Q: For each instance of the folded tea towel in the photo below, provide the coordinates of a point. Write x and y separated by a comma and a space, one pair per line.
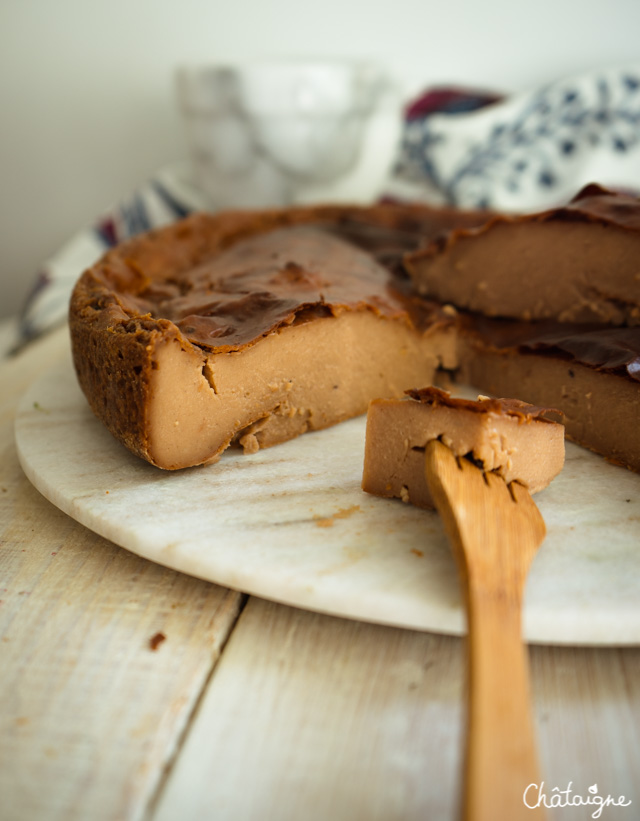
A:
523, 152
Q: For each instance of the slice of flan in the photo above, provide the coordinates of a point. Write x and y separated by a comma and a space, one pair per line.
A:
520, 442
578, 263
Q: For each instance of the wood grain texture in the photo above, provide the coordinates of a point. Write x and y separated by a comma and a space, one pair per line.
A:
315, 717
587, 709
90, 713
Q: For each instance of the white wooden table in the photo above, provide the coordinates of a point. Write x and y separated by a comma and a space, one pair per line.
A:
247, 709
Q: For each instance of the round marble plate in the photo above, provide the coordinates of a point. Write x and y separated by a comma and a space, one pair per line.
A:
292, 524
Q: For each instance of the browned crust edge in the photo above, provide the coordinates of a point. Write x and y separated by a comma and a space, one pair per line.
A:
592, 204
114, 375
524, 411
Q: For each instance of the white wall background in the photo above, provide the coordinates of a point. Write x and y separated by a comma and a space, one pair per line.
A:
86, 96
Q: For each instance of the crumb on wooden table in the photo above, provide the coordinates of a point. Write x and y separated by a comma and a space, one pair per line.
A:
156, 641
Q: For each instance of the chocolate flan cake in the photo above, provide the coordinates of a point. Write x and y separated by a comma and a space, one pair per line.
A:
252, 328
518, 441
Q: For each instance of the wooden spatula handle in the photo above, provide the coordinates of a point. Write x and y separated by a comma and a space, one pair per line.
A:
494, 531
501, 756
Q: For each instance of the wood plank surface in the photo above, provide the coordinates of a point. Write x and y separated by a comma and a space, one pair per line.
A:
587, 704
314, 717
91, 714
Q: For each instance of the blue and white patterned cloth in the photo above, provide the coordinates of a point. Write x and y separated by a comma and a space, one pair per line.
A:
470, 149
527, 152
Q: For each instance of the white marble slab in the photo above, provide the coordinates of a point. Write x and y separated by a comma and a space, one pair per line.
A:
292, 524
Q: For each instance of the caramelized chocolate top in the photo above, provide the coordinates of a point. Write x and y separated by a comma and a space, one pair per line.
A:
598, 204
616, 350
410, 227
274, 279
591, 204
509, 407
607, 349
228, 279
